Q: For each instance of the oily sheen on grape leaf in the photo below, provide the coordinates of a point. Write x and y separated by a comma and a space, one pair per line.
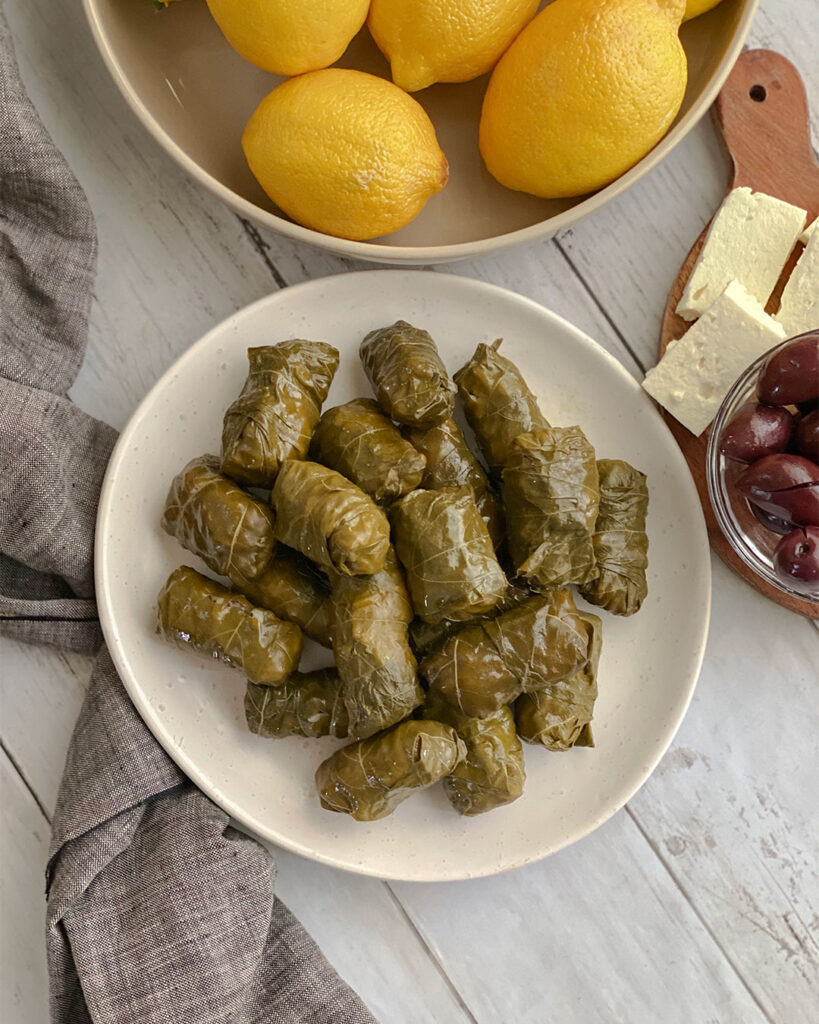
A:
447, 553
372, 653
488, 664
498, 403
426, 637
295, 591
559, 716
620, 540
408, 375
307, 704
551, 493
450, 463
277, 410
327, 518
363, 444
213, 518
370, 778
492, 772
200, 614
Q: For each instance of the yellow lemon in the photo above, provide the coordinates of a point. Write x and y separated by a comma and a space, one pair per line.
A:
345, 153
582, 94
694, 8
430, 41
289, 37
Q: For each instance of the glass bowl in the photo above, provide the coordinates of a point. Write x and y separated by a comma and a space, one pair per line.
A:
747, 536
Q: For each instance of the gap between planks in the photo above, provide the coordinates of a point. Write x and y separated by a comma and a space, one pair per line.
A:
32, 792
708, 930
436, 963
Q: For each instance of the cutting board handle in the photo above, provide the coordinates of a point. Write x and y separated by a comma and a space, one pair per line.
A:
762, 112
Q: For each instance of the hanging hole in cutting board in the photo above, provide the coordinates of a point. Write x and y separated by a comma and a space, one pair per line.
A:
758, 93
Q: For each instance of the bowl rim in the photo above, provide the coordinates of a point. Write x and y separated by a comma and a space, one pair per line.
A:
742, 390
414, 254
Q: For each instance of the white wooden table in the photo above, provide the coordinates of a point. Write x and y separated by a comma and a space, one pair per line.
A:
696, 904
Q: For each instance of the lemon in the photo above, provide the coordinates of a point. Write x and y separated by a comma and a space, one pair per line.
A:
694, 8
345, 153
445, 40
289, 37
582, 94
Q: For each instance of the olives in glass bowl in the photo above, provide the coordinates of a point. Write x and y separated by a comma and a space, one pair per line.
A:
762, 466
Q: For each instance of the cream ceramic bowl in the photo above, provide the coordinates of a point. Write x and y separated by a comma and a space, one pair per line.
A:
194, 94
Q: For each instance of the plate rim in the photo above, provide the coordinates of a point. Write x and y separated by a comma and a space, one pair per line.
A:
152, 719
418, 254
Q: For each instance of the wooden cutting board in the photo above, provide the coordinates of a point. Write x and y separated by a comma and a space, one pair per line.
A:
762, 115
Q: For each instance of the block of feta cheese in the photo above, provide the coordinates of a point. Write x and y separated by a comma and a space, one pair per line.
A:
750, 239
697, 371
799, 310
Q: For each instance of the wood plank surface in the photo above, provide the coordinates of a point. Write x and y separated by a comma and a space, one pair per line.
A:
698, 903
23, 850
594, 934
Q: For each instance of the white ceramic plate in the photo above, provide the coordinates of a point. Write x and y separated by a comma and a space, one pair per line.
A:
194, 707
194, 94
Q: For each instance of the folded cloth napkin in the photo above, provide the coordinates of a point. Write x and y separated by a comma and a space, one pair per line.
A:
158, 910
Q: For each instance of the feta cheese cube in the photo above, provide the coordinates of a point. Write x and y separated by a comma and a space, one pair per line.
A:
799, 310
804, 238
750, 239
698, 370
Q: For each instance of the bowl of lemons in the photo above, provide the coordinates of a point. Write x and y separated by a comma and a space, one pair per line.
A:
418, 131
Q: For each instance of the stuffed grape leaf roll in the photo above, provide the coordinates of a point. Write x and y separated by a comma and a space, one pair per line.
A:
196, 612
372, 653
327, 518
491, 773
363, 444
213, 518
559, 717
369, 779
450, 463
307, 704
551, 494
408, 375
497, 402
447, 553
489, 664
425, 637
279, 406
292, 588
620, 540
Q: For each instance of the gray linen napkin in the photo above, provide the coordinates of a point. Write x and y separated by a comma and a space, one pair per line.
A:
158, 911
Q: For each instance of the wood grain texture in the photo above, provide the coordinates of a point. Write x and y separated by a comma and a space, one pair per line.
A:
762, 114
23, 852
731, 810
695, 935
594, 934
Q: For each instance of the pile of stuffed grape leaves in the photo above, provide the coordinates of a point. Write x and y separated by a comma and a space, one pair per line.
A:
438, 577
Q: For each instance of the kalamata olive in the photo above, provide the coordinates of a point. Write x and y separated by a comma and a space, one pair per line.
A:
773, 523
796, 559
791, 374
787, 486
756, 430
807, 436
